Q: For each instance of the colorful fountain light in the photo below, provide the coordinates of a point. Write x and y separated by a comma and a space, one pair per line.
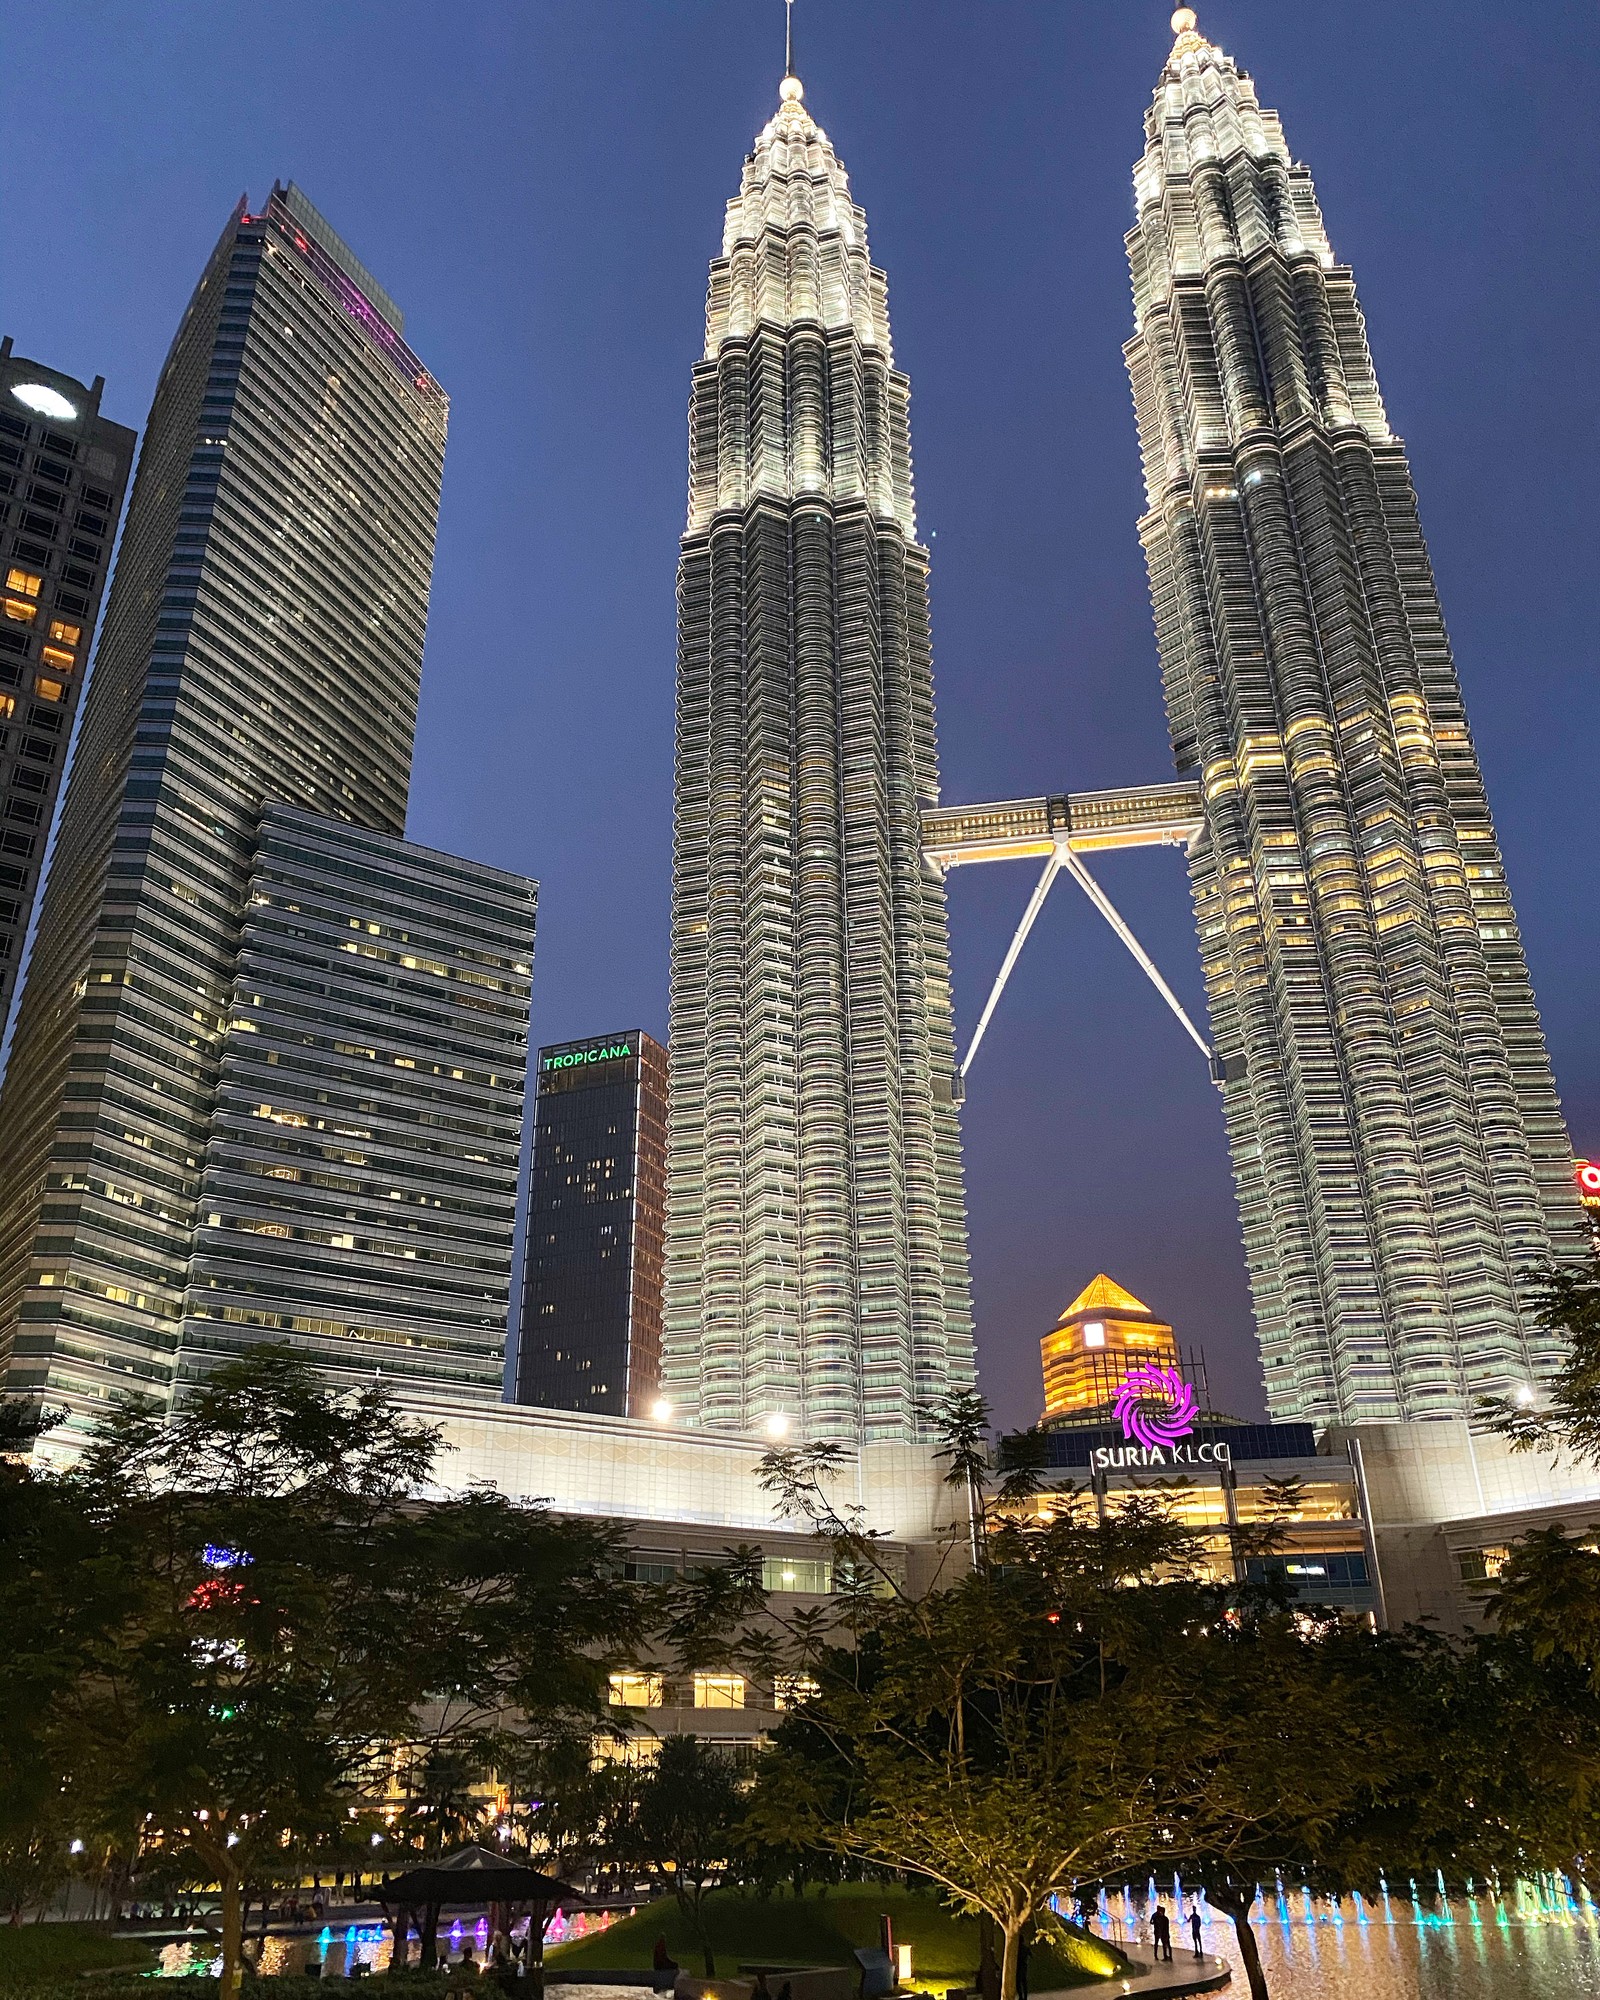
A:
1154, 1427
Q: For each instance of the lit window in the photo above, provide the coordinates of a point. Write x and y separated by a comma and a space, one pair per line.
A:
24, 582
719, 1691
20, 611
797, 1573
8, 706
67, 635
790, 1690
638, 1690
48, 690
57, 657
1094, 1334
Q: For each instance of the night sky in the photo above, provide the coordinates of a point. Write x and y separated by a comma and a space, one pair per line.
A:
541, 184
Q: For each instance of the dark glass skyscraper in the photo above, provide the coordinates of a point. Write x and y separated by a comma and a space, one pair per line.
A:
817, 1273
263, 641
63, 472
591, 1306
1397, 1143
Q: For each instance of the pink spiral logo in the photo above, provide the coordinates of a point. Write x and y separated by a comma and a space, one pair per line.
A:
1154, 1427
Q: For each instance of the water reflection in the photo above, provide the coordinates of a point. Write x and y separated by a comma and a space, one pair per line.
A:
1541, 1940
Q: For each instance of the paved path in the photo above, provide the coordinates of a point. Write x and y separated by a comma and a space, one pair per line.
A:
1186, 1974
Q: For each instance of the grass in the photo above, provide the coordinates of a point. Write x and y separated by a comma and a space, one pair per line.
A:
61, 1951
823, 1928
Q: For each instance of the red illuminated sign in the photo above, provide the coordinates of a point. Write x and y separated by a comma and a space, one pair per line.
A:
1588, 1178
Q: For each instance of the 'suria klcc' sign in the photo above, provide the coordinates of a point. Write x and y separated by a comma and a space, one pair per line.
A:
1153, 1457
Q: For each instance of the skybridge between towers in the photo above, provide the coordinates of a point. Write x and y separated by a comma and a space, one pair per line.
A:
1061, 829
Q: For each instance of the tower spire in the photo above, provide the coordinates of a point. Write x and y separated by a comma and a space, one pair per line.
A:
788, 37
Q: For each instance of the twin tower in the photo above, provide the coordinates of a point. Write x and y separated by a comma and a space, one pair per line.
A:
1397, 1144
266, 1073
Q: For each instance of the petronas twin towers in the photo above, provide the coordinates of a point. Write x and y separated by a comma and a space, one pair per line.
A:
1396, 1139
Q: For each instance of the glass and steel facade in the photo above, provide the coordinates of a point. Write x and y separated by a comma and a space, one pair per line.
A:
817, 1271
63, 472
591, 1303
262, 641
360, 1182
1397, 1144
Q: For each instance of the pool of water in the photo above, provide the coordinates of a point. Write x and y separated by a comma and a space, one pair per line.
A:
1540, 1945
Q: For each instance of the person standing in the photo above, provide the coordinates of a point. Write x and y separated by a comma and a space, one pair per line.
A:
1194, 1928
1161, 1931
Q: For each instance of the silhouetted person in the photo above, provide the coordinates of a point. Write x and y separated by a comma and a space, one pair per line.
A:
1194, 1929
1161, 1931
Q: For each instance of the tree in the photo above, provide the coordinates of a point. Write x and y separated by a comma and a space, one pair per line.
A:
687, 1819
280, 1614
1566, 1302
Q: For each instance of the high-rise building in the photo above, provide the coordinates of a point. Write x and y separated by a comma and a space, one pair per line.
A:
591, 1302
1397, 1143
63, 472
359, 1191
262, 641
1087, 1354
817, 1274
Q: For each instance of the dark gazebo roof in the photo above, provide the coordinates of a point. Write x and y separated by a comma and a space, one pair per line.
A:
475, 1875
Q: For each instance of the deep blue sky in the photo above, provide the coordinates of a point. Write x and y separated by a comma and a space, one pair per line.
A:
541, 182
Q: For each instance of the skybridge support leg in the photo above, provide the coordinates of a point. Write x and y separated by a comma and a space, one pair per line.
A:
1103, 903
1035, 904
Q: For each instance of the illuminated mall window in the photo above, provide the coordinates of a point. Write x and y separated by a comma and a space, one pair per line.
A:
636, 1690
790, 1690
65, 634
57, 657
48, 690
1481, 1565
719, 1691
20, 611
24, 582
797, 1573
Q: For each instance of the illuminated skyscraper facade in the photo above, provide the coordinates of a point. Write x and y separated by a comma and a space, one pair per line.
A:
1397, 1144
816, 1241
262, 641
63, 471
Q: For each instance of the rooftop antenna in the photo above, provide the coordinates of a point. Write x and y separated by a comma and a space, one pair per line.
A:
788, 37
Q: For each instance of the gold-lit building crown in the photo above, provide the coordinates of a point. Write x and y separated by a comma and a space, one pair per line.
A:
1103, 1333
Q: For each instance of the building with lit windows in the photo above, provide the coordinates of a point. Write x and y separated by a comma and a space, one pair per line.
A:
817, 1271
591, 1302
63, 472
359, 1190
1087, 1353
1397, 1144
262, 642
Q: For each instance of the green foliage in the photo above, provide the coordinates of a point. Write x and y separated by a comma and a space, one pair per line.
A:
685, 1826
824, 1926
62, 1951
1566, 1302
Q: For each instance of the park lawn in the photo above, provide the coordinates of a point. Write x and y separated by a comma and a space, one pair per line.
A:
46, 1951
823, 1928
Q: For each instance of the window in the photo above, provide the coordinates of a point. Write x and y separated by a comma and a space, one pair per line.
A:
790, 1690
797, 1573
24, 582
48, 690
59, 658
21, 610
8, 706
719, 1691
639, 1690
65, 634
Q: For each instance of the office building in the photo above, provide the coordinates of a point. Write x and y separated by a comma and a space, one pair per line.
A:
262, 642
359, 1190
1397, 1144
591, 1302
1088, 1352
63, 472
817, 1272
